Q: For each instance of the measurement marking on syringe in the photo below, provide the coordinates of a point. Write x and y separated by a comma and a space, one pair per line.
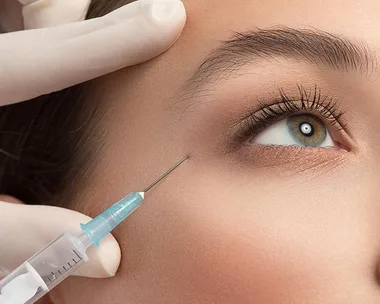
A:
64, 269
52, 278
80, 259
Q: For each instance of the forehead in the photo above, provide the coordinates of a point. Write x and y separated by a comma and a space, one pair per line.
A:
212, 21
347, 17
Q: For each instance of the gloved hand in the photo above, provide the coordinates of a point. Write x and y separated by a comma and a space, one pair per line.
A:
25, 229
39, 61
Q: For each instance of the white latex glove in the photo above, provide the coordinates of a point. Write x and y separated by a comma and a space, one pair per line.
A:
40, 61
25, 229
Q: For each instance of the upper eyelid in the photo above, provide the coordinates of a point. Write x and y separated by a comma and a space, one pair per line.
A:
307, 100
315, 110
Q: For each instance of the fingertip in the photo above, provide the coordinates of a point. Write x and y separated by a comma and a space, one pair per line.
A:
168, 19
172, 11
110, 256
104, 261
171, 15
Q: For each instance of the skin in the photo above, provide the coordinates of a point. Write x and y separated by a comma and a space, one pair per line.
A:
257, 225
12, 19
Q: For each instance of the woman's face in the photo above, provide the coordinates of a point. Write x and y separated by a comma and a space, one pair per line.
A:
279, 201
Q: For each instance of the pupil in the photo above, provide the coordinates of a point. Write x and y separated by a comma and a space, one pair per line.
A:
306, 129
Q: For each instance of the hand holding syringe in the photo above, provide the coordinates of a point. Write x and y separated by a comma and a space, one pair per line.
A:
63, 256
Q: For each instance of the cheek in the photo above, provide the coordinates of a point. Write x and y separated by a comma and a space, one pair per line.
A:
264, 254
229, 253
217, 241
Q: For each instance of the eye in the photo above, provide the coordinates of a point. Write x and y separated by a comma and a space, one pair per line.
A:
296, 130
307, 120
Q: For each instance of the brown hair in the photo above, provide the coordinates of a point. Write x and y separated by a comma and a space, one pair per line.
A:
42, 141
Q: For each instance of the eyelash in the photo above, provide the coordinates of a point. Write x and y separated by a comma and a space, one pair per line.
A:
308, 102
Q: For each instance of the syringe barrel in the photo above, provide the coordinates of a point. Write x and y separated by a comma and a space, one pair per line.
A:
42, 272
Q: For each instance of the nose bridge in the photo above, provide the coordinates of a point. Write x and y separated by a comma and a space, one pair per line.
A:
361, 181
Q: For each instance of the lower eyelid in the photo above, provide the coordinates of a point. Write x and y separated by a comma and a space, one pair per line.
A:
288, 160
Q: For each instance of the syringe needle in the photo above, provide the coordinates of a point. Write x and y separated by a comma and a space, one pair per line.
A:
165, 175
109, 219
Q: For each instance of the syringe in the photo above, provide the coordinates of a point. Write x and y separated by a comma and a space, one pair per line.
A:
63, 256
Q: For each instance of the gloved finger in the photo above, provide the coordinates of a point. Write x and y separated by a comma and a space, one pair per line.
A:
41, 61
47, 13
25, 229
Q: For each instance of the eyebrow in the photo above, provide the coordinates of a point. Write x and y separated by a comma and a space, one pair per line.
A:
313, 46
